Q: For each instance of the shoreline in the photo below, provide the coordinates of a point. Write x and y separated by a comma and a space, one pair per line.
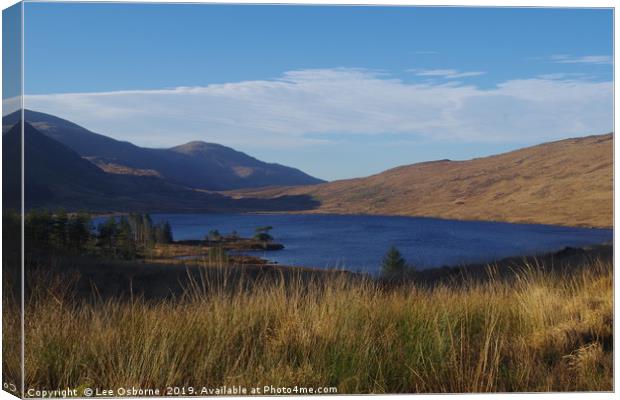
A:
166, 278
249, 260
101, 214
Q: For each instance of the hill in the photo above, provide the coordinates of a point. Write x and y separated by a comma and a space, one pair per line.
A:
246, 171
48, 165
568, 182
197, 165
57, 176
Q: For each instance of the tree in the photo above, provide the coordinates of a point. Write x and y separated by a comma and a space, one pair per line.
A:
163, 232
214, 236
12, 244
168, 232
38, 229
132, 236
393, 265
148, 235
142, 230
58, 235
137, 226
263, 229
262, 234
124, 240
107, 232
78, 232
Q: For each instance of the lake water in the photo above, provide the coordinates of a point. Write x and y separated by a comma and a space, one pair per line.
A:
359, 242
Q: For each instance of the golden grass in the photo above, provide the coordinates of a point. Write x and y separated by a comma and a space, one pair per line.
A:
536, 332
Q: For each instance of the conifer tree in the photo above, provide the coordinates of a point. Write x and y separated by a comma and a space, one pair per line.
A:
167, 232
124, 240
107, 232
38, 229
78, 232
393, 265
58, 234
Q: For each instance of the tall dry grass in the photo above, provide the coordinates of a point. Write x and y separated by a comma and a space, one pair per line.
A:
537, 332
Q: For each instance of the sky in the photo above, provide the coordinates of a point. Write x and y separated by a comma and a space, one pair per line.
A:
338, 92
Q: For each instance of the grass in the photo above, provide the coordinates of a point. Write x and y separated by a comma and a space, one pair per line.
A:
537, 331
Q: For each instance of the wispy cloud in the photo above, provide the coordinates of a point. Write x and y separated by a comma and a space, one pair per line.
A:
564, 75
291, 110
446, 73
592, 59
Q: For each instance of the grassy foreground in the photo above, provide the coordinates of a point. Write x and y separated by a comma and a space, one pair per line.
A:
538, 331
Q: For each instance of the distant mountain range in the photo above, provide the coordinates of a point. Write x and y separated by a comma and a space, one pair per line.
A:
197, 165
568, 182
57, 176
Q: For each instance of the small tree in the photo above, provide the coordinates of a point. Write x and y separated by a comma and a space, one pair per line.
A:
163, 232
107, 232
79, 232
58, 235
124, 240
38, 229
264, 229
214, 236
393, 265
147, 237
167, 232
262, 234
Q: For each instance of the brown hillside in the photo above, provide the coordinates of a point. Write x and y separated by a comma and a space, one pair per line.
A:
568, 182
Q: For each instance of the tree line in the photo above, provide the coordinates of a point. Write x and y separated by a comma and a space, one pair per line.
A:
125, 237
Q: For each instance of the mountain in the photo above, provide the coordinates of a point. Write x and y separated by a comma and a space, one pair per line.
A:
48, 164
248, 171
57, 176
568, 182
197, 165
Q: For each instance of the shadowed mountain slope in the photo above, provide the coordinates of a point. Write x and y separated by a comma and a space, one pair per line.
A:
568, 182
56, 176
196, 164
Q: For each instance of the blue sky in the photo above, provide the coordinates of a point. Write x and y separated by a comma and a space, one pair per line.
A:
336, 91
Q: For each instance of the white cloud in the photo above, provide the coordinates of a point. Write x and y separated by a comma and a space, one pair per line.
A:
446, 73
593, 59
285, 112
11, 104
564, 75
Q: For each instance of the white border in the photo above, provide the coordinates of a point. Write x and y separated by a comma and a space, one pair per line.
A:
475, 3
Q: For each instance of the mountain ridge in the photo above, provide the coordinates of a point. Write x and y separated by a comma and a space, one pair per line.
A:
566, 182
58, 177
199, 171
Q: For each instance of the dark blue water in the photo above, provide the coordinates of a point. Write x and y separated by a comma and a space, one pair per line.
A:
359, 242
